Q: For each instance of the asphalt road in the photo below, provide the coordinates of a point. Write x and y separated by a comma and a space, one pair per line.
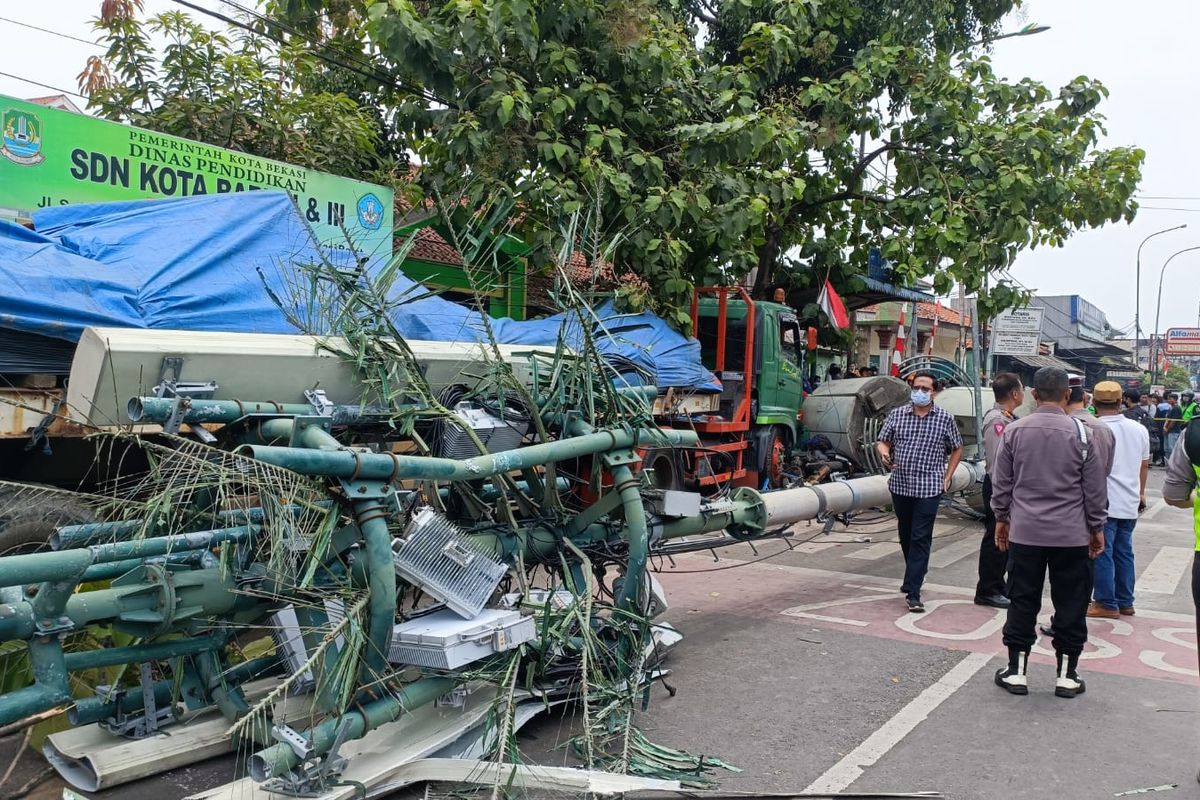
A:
806, 666
802, 667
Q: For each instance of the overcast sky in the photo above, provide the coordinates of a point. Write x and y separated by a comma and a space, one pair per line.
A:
1143, 53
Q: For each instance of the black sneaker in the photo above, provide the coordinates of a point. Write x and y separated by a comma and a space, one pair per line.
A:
994, 601
915, 606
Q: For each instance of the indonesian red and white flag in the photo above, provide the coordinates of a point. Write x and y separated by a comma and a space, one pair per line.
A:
833, 306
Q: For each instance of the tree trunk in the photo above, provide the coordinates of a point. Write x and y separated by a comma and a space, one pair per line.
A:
768, 254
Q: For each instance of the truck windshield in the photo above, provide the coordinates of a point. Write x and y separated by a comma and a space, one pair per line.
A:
789, 340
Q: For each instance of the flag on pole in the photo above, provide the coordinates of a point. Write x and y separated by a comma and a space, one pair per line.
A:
937, 312
833, 306
899, 347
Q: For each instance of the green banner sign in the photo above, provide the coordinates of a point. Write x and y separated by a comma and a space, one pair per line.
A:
50, 157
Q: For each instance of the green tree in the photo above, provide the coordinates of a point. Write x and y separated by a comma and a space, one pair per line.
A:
238, 89
1177, 377
788, 137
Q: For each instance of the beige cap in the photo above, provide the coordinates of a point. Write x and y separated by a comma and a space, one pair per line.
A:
1107, 392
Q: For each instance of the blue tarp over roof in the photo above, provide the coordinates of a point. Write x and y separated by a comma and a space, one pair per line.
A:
212, 262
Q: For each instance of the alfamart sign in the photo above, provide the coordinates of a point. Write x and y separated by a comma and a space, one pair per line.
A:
50, 157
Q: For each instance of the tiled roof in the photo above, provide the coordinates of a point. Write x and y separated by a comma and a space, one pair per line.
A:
430, 246
928, 311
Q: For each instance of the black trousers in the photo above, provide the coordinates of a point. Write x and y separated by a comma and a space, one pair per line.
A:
914, 522
1070, 590
1196, 591
992, 562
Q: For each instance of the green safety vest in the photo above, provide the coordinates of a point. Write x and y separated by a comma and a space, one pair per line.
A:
1196, 509
1189, 411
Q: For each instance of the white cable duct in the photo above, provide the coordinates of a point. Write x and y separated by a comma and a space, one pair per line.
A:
809, 502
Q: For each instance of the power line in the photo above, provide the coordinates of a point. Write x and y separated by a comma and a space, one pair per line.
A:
1165, 197
43, 85
353, 58
1168, 208
375, 76
52, 33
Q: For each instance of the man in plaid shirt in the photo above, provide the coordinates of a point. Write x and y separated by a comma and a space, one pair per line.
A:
921, 445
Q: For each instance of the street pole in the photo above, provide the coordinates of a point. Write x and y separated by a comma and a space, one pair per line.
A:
975, 379
1137, 302
962, 329
1156, 342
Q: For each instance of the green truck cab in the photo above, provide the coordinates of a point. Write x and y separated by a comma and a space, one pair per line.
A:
755, 348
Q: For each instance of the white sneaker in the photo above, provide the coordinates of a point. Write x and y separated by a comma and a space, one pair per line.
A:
1016, 681
1066, 685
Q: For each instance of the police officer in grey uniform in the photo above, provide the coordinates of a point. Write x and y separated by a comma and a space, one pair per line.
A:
1009, 394
1050, 497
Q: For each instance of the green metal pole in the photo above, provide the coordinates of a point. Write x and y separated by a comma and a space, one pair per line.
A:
372, 516
29, 568
356, 465
157, 410
210, 590
636, 534
115, 569
93, 709
70, 537
136, 654
280, 758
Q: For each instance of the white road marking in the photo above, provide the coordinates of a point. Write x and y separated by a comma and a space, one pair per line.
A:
1165, 570
875, 551
839, 777
856, 580
945, 556
912, 623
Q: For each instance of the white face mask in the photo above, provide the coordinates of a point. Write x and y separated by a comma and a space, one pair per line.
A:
921, 397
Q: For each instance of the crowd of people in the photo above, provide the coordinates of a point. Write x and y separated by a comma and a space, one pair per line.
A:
1164, 416
1064, 486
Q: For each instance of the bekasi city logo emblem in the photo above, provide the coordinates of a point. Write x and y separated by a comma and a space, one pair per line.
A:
21, 137
370, 212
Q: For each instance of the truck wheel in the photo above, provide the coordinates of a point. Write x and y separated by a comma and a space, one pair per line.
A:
29, 513
665, 465
775, 458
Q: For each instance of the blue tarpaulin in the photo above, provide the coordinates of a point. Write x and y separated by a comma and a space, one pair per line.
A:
213, 263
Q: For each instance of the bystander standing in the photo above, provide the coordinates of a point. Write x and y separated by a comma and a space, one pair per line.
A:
921, 445
1188, 403
1008, 394
1173, 424
1183, 473
1113, 591
1078, 404
1049, 495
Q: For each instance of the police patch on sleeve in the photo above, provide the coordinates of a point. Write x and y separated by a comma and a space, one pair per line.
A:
999, 429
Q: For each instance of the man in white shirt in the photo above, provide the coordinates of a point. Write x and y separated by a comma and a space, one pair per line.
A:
1112, 593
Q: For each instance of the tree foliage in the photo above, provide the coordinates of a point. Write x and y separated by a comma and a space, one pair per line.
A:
784, 136
1177, 377
238, 88
716, 138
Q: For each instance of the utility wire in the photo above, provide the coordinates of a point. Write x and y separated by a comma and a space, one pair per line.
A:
373, 75
354, 58
43, 85
52, 33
